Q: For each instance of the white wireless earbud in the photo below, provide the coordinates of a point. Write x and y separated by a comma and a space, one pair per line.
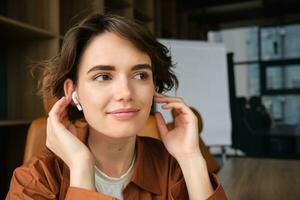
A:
75, 99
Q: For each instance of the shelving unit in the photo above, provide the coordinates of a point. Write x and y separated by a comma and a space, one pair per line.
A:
118, 4
119, 7
72, 11
13, 28
168, 19
14, 122
144, 11
29, 32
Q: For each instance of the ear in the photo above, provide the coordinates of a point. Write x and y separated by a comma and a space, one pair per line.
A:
69, 87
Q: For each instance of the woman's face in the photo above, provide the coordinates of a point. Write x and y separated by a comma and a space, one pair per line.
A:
115, 86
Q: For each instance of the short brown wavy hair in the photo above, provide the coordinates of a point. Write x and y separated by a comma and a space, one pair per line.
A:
65, 64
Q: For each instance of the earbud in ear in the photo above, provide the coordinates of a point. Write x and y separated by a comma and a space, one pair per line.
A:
75, 100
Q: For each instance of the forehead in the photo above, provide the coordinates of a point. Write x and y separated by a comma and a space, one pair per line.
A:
111, 49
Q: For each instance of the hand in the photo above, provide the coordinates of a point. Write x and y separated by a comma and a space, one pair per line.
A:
65, 144
183, 140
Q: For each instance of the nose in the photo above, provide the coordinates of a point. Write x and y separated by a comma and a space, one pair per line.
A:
123, 90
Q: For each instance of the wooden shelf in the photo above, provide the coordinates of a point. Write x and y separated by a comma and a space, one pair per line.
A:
141, 16
15, 30
116, 4
14, 122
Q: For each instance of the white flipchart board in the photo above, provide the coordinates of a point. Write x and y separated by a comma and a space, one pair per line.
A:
201, 68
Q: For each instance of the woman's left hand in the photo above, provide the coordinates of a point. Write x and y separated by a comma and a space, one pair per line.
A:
183, 139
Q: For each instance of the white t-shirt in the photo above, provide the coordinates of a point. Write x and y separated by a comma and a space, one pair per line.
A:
113, 186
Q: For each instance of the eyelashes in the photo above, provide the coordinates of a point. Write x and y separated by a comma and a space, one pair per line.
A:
142, 75
103, 77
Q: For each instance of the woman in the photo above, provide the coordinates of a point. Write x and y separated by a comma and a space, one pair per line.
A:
109, 73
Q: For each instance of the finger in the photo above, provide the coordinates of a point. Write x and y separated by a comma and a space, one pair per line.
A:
160, 95
179, 106
59, 108
156, 94
64, 114
57, 114
72, 129
175, 113
56, 108
161, 124
167, 99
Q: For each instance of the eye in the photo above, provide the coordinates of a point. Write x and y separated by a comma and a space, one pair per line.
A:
141, 76
102, 77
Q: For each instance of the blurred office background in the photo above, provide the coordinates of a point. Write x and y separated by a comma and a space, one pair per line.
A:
262, 38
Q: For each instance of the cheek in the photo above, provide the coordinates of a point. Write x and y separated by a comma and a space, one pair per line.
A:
147, 96
94, 107
92, 98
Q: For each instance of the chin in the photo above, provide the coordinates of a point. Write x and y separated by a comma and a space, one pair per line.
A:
121, 131
120, 134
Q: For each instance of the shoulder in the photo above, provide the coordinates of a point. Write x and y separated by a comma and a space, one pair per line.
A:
44, 169
45, 159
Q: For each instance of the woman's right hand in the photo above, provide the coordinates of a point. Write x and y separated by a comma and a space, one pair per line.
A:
64, 143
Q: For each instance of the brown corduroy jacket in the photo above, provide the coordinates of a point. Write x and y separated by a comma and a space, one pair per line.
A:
157, 175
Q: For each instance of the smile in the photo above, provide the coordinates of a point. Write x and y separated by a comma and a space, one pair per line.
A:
124, 114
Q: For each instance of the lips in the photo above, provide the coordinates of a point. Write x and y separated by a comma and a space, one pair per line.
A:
124, 110
124, 113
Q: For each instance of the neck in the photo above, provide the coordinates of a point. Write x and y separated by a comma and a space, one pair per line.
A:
113, 156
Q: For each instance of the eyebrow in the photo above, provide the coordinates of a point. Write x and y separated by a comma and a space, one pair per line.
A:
112, 68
